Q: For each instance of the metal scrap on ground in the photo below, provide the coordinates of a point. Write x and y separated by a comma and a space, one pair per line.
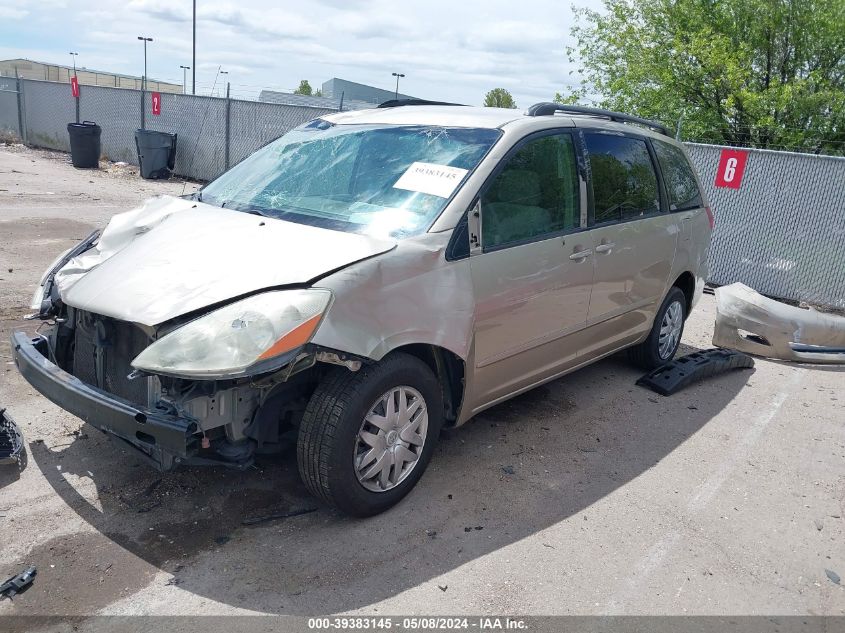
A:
681, 372
18, 583
11, 442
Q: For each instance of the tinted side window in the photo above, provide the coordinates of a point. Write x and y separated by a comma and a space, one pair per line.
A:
624, 180
536, 193
678, 177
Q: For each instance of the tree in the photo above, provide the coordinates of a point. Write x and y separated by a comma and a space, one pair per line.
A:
764, 73
304, 89
499, 98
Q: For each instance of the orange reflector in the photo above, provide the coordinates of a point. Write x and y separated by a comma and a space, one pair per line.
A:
297, 337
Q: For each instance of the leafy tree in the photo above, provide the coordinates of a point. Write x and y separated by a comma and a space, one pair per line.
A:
304, 89
765, 73
499, 98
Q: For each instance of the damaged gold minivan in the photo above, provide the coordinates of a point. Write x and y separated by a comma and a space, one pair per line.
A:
368, 279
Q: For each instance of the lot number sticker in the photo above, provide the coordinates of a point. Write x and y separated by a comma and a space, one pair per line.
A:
731, 168
437, 180
156, 103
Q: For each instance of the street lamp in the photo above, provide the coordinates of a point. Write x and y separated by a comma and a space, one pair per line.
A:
185, 70
73, 57
194, 56
397, 75
224, 72
145, 40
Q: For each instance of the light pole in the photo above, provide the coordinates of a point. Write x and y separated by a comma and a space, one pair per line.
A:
145, 40
224, 72
397, 75
194, 58
185, 69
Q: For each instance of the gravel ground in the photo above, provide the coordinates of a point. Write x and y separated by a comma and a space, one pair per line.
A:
586, 496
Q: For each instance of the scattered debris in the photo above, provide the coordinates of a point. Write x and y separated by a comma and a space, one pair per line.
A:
549, 546
443, 587
431, 533
277, 515
832, 576
21, 582
222, 540
819, 525
11, 442
508, 470
681, 372
172, 582
749, 322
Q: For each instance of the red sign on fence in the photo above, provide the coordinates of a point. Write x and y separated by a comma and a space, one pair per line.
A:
731, 168
74, 87
156, 103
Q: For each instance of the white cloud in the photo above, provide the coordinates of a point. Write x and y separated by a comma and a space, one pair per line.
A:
448, 50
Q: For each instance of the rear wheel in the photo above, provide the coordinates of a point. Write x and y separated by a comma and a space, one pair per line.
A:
665, 336
367, 436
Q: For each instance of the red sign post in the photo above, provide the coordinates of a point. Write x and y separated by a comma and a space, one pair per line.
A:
74, 87
731, 168
156, 96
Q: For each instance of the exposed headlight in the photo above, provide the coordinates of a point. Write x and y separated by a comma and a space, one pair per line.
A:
229, 341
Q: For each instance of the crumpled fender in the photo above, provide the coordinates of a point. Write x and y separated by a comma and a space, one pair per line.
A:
776, 330
410, 295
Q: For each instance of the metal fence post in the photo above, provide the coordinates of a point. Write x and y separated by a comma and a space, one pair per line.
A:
19, 87
143, 105
228, 127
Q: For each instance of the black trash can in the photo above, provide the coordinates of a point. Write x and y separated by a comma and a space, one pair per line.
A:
84, 144
156, 153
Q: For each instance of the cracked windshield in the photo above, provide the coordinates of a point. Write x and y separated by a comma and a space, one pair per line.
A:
385, 181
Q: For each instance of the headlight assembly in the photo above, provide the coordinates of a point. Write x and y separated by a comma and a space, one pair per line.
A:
228, 342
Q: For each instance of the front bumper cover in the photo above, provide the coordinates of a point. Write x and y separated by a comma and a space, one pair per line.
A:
165, 439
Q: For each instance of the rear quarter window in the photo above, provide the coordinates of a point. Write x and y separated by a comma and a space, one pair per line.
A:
681, 185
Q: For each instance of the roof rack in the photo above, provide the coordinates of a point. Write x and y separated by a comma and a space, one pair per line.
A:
547, 108
395, 103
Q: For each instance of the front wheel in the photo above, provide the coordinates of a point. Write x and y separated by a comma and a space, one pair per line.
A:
665, 336
367, 436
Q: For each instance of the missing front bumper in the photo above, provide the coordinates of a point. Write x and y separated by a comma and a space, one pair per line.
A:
166, 440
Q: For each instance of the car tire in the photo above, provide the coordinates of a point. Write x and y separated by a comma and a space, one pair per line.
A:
332, 453
669, 320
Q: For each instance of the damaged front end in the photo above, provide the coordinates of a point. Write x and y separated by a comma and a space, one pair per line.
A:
213, 385
83, 363
749, 322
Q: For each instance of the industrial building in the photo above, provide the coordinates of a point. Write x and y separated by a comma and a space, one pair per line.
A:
334, 88
29, 69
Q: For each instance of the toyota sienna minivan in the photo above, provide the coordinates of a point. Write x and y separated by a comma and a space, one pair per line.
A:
370, 278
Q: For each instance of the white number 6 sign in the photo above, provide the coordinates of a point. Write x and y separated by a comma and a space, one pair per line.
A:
730, 169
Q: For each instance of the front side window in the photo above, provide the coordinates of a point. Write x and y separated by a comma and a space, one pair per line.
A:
623, 176
535, 194
678, 176
381, 180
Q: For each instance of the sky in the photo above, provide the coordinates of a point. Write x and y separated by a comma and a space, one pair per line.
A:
448, 50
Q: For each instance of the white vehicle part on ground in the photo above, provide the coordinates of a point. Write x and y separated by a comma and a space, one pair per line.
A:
749, 322
173, 256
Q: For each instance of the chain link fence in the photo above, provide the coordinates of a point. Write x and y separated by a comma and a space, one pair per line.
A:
214, 133
782, 232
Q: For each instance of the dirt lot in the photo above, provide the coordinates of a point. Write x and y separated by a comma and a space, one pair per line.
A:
587, 496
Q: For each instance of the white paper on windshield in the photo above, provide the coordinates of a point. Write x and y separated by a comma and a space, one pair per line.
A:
437, 180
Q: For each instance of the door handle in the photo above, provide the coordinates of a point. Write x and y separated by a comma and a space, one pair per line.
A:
581, 255
605, 248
